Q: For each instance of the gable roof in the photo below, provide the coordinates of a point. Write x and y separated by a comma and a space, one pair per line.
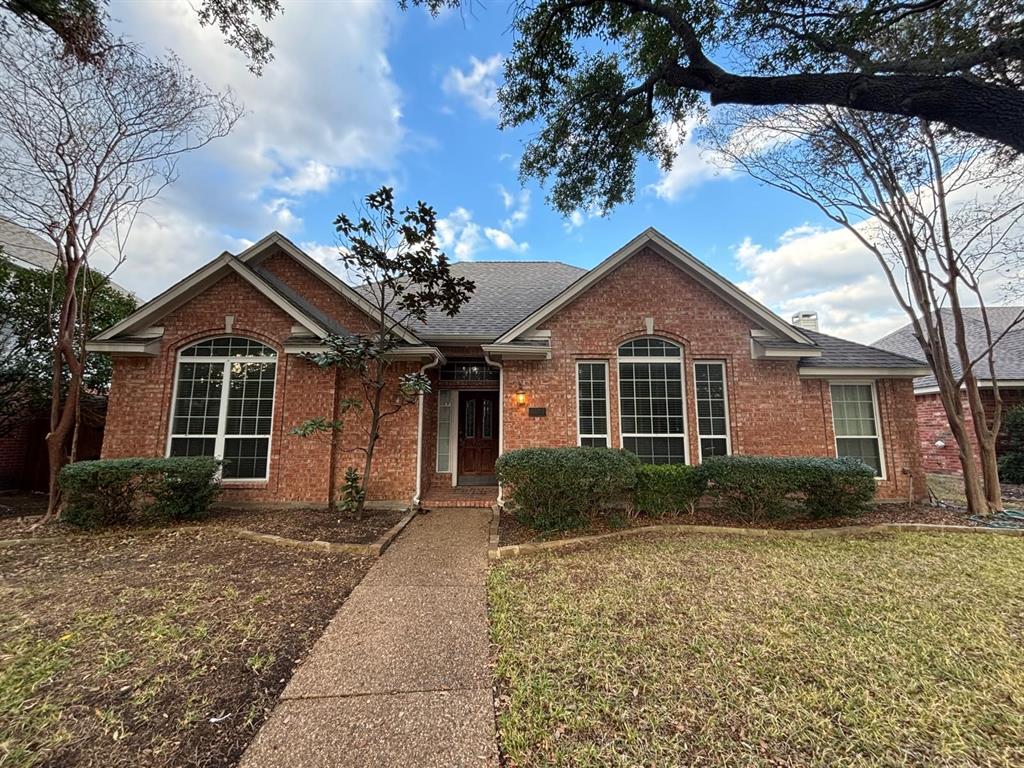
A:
196, 283
840, 354
506, 292
651, 237
259, 250
1008, 351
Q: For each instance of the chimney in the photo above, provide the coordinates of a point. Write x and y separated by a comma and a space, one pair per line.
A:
806, 320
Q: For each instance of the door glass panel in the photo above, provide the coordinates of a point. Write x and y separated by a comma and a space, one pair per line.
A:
487, 416
469, 426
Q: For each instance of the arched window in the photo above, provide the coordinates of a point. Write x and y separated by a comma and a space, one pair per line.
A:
231, 422
652, 412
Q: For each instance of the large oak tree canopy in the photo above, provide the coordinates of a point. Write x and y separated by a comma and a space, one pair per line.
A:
604, 79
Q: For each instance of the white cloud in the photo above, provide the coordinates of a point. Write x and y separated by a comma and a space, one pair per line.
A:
478, 85
462, 237
574, 220
302, 129
518, 205
693, 165
458, 233
503, 241
313, 176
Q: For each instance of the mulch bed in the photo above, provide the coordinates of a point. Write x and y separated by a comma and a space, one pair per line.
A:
511, 531
305, 524
162, 650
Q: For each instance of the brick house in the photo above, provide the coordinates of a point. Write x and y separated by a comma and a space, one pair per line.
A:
938, 448
651, 350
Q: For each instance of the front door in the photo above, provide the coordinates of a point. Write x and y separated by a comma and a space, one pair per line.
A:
478, 437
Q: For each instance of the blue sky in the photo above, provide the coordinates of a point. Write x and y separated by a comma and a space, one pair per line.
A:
361, 94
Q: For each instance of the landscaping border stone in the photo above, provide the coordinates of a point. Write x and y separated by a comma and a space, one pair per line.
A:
376, 549
511, 550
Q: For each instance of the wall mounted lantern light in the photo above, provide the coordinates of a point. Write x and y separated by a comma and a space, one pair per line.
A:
520, 397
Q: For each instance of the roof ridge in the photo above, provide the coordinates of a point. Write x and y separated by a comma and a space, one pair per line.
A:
519, 261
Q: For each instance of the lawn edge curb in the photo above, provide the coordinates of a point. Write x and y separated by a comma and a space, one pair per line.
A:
512, 550
391, 533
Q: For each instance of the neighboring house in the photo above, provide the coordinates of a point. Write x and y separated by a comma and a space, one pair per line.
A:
23, 459
651, 350
938, 448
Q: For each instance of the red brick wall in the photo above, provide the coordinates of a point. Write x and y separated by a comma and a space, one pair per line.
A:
141, 393
13, 451
933, 427
771, 410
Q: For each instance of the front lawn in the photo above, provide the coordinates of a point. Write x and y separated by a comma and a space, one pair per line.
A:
160, 650
889, 650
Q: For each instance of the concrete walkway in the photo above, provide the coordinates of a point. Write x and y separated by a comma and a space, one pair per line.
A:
400, 677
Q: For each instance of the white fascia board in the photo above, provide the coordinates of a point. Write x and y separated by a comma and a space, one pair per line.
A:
253, 252
415, 353
682, 259
457, 339
933, 389
864, 373
791, 353
136, 348
174, 296
518, 351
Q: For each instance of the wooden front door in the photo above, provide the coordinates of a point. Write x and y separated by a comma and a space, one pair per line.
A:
478, 437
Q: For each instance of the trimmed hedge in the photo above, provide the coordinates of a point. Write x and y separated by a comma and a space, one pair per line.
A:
755, 487
1011, 463
662, 489
115, 491
557, 488
1011, 468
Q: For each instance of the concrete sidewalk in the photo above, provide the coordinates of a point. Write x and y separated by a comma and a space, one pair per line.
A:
400, 677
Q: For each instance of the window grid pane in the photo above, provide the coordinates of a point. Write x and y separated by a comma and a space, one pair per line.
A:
592, 401
651, 403
855, 424
712, 422
246, 405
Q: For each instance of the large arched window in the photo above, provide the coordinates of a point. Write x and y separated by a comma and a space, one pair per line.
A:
232, 422
652, 413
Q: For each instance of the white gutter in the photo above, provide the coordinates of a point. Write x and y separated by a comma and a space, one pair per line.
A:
501, 410
438, 357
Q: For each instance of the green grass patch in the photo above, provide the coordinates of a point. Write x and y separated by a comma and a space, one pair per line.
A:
901, 650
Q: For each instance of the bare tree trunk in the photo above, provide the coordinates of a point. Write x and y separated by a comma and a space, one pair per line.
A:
375, 416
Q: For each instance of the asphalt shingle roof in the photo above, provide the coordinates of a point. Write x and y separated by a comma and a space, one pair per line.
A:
25, 246
840, 353
1009, 351
506, 292
300, 302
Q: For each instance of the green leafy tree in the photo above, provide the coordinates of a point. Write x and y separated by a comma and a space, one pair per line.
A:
405, 275
29, 303
602, 83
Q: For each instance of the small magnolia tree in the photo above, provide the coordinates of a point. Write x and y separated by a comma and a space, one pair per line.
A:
406, 276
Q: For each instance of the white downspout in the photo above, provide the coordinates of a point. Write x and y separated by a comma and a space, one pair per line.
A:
419, 433
501, 409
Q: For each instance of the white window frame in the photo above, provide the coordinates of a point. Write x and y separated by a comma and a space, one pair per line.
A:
222, 416
681, 361
725, 397
452, 429
878, 421
607, 403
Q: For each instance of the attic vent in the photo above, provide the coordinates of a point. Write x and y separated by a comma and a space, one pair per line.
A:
806, 320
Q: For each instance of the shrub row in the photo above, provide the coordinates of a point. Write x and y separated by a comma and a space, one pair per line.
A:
116, 491
1011, 463
559, 488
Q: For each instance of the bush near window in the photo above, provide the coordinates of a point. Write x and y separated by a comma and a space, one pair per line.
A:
557, 488
117, 491
662, 489
756, 487
1011, 463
